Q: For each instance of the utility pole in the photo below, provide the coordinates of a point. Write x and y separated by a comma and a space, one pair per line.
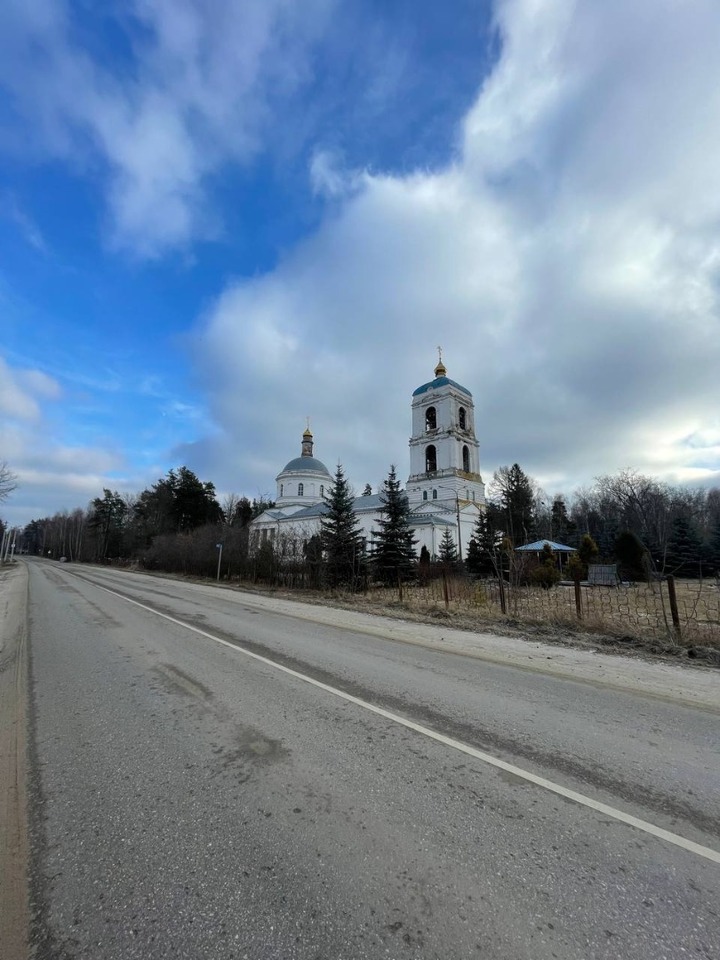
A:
457, 514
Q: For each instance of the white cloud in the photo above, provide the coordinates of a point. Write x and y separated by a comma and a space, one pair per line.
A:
21, 391
52, 475
329, 178
568, 262
38, 383
196, 93
11, 209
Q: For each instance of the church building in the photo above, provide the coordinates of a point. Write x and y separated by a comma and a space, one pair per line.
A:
444, 489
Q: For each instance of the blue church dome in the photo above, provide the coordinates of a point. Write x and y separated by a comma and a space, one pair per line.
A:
440, 382
303, 464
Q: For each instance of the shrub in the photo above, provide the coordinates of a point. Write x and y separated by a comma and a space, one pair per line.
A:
545, 576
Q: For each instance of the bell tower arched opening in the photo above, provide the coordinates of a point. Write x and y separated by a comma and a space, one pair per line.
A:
430, 459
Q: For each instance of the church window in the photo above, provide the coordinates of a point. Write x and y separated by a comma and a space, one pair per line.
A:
322, 490
424, 494
301, 490
430, 419
281, 489
466, 459
430, 459
462, 418
434, 494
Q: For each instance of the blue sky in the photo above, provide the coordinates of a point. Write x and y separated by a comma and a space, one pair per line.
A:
218, 219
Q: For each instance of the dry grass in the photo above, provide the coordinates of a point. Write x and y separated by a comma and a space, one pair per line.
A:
633, 617
640, 611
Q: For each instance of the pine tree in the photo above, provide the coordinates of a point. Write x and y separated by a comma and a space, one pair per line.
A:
176, 503
340, 535
393, 557
106, 519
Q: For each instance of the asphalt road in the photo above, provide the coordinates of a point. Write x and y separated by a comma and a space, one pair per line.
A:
188, 800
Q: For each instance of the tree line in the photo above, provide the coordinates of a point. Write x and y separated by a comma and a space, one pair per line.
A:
178, 524
174, 525
645, 526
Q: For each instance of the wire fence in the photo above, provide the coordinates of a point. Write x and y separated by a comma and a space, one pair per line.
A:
684, 611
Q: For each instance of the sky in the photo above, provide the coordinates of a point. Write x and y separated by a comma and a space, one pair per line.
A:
219, 219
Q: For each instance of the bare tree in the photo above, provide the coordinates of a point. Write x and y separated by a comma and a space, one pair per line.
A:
229, 507
7, 481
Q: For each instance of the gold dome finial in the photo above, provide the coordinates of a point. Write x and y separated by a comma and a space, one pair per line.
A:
440, 370
307, 441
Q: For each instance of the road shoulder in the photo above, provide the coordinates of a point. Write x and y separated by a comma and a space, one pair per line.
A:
690, 685
14, 903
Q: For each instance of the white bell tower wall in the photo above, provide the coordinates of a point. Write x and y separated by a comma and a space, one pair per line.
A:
444, 451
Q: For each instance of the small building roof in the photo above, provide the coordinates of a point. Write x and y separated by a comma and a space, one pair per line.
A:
371, 501
538, 545
430, 520
315, 510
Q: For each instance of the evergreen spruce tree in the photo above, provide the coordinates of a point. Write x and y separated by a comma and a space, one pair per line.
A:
447, 552
563, 528
482, 552
712, 551
340, 535
684, 549
631, 554
546, 573
588, 552
393, 556
517, 499
424, 564
314, 561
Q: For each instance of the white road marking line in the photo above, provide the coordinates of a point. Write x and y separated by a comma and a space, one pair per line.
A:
604, 808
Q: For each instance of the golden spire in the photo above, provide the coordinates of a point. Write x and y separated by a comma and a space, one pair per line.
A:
307, 441
440, 370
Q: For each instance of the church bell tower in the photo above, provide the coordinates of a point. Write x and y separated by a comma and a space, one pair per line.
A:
444, 452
